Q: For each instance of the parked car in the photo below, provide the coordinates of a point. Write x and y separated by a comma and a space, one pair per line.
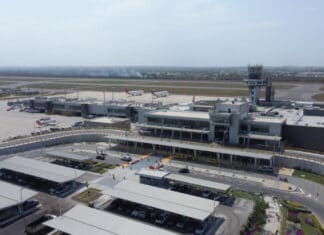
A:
62, 190
31, 203
181, 223
162, 217
265, 168
152, 212
283, 178
54, 129
126, 158
139, 213
184, 170
101, 157
174, 187
206, 194
78, 124
201, 229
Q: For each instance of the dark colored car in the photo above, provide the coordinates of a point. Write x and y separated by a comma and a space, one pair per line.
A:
184, 170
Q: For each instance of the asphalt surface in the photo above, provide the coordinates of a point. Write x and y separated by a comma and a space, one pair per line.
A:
235, 216
301, 92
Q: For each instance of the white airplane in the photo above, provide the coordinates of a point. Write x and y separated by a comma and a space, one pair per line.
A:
134, 93
160, 93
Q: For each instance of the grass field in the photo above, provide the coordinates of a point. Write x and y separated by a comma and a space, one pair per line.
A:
318, 97
309, 176
142, 82
101, 167
2, 82
177, 87
13, 97
88, 195
207, 91
245, 195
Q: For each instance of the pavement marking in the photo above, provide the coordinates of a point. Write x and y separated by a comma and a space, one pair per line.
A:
286, 171
124, 165
145, 156
167, 159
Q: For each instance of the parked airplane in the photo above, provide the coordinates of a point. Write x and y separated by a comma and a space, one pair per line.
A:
134, 93
160, 93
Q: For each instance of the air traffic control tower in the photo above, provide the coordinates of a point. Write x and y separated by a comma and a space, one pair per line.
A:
255, 82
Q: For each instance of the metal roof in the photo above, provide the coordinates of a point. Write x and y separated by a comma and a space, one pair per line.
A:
188, 115
11, 195
152, 173
265, 119
179, 203
164, 127
199, 182
69, 156
236, 151
39, 169
107, 120
261, 137
82, 220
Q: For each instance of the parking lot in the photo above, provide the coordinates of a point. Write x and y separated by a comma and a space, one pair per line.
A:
48, 205
161, 218
11, 214
227, 200
42, 185
101, 155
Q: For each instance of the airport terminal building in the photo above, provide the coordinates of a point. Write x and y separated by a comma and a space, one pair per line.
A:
229, 123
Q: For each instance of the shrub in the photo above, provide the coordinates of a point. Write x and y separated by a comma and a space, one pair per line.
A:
258, 216
317, 224
293, 216
309, 221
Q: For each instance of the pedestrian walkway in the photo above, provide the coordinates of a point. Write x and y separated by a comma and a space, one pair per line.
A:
273, 216
145, 156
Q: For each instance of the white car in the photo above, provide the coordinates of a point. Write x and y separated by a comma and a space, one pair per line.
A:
126, 157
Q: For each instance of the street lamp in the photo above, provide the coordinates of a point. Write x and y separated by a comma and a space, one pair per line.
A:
112, 93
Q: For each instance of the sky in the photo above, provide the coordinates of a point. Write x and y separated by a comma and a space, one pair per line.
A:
161, 32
